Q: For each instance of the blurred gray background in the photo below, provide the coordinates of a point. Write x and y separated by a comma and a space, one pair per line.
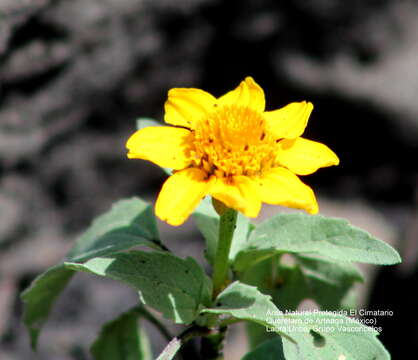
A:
74, 76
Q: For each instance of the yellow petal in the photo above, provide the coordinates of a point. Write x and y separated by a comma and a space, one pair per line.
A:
304, 157
165, 146
180, 194
239, 193
290, 121
248, 93
281, 187
185, 107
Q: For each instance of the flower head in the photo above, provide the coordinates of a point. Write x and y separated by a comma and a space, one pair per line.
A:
232, 149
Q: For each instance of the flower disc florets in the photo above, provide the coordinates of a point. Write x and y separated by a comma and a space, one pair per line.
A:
233, 140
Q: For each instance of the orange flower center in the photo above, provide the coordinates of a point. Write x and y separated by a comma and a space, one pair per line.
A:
234, 140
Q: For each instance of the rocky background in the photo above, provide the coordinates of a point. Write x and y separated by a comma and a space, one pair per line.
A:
74, 76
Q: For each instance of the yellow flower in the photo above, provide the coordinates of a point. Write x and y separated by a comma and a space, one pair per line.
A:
232, 149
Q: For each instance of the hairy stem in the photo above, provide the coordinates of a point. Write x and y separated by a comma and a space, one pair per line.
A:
221, 264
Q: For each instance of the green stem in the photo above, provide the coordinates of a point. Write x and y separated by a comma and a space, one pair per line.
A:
221, 264
212, 345
176, 343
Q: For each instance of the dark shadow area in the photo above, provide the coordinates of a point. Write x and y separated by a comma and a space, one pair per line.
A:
401, 301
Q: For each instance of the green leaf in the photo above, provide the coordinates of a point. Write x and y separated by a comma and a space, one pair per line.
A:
301, 233
129, 223
122, 339
207, 221
269, 350
312, 336
326, 282
256, 334
176, 287
242, 232
329, 271
330, 336
261, 275
323, 280
40, 296
350, 341
245, 302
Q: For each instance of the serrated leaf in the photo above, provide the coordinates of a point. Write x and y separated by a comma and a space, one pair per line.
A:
122, 339
268, 350
207, 221
244, 302
176, 287
301, 233
304, 336
331, 336
129, 223
324, 281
